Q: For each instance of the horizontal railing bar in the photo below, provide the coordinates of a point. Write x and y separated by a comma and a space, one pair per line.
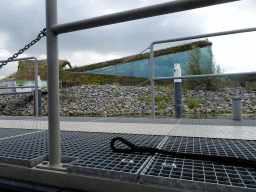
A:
134, 14
204, 76
17, 87
205, 35
24, 58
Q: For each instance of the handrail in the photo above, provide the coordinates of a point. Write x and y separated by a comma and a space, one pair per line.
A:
36, 80
134, 14
194, 76
17, 87
53, 29
205, 76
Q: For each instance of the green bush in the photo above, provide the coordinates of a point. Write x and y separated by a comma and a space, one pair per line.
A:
191, 103
251, 87
225, 97
3, 105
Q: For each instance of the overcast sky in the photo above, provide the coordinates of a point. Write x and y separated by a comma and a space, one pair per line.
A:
22, 20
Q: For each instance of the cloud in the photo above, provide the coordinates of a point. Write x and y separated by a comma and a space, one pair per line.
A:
24, 3
21, 21
4, 38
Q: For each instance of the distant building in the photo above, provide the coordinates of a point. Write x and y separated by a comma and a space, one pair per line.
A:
164, 60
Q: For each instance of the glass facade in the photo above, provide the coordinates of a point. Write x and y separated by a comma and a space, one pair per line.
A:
163, 66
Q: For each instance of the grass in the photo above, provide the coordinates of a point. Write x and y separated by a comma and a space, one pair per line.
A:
160, 101
191, 102
176, 49
3, 105
251, 87
225, 97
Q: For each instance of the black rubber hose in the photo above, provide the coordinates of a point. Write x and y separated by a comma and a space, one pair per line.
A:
225, 160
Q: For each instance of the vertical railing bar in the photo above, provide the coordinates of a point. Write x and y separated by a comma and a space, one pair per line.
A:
53, 85
152, 80
36, 88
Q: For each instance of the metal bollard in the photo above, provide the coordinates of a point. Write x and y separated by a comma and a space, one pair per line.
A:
39, 103
237, 109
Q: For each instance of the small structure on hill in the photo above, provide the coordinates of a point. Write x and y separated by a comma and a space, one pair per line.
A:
26, 70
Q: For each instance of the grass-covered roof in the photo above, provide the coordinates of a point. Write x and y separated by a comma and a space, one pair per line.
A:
160, 52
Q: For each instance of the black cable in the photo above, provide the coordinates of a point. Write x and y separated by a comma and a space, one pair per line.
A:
225, 160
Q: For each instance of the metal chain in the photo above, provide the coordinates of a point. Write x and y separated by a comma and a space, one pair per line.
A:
40, 35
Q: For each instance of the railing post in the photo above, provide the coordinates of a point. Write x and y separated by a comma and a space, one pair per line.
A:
152, 80
53, 85
39, 102
36, 89
177, 91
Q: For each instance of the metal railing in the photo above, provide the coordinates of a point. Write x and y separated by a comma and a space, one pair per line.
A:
53, 29
36, 82
152, 78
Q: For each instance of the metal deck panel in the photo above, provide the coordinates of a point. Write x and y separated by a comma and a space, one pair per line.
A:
192, 174
25, 143
96, 158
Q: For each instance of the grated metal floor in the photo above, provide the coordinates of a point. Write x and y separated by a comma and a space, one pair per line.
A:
87, 142
164, 169
96, 158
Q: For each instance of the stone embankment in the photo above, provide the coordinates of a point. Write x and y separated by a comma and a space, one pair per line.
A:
106, 100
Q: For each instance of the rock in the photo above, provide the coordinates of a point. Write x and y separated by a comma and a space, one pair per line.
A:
125, 98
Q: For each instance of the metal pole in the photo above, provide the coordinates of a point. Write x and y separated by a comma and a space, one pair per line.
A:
53, 85
207, 35
204, 76
152, 80
177, 91
36, 88
134, 14
17, 87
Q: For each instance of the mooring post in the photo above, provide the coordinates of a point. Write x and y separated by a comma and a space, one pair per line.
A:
237, 108
177, 91
53, 85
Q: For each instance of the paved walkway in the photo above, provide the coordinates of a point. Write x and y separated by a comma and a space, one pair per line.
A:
213, 128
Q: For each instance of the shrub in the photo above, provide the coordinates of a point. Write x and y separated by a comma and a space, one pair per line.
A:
3, 105
191, 103
251, 87
225, 97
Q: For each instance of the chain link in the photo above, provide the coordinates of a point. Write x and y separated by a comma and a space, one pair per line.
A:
15, 55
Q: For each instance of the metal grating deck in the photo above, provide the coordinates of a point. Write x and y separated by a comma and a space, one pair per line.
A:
197, 174
7, 133
86, 143
96, 158
25, 149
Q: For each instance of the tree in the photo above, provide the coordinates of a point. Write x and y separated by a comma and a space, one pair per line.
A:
199, 63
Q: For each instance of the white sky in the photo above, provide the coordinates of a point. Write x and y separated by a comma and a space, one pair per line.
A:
21, 21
